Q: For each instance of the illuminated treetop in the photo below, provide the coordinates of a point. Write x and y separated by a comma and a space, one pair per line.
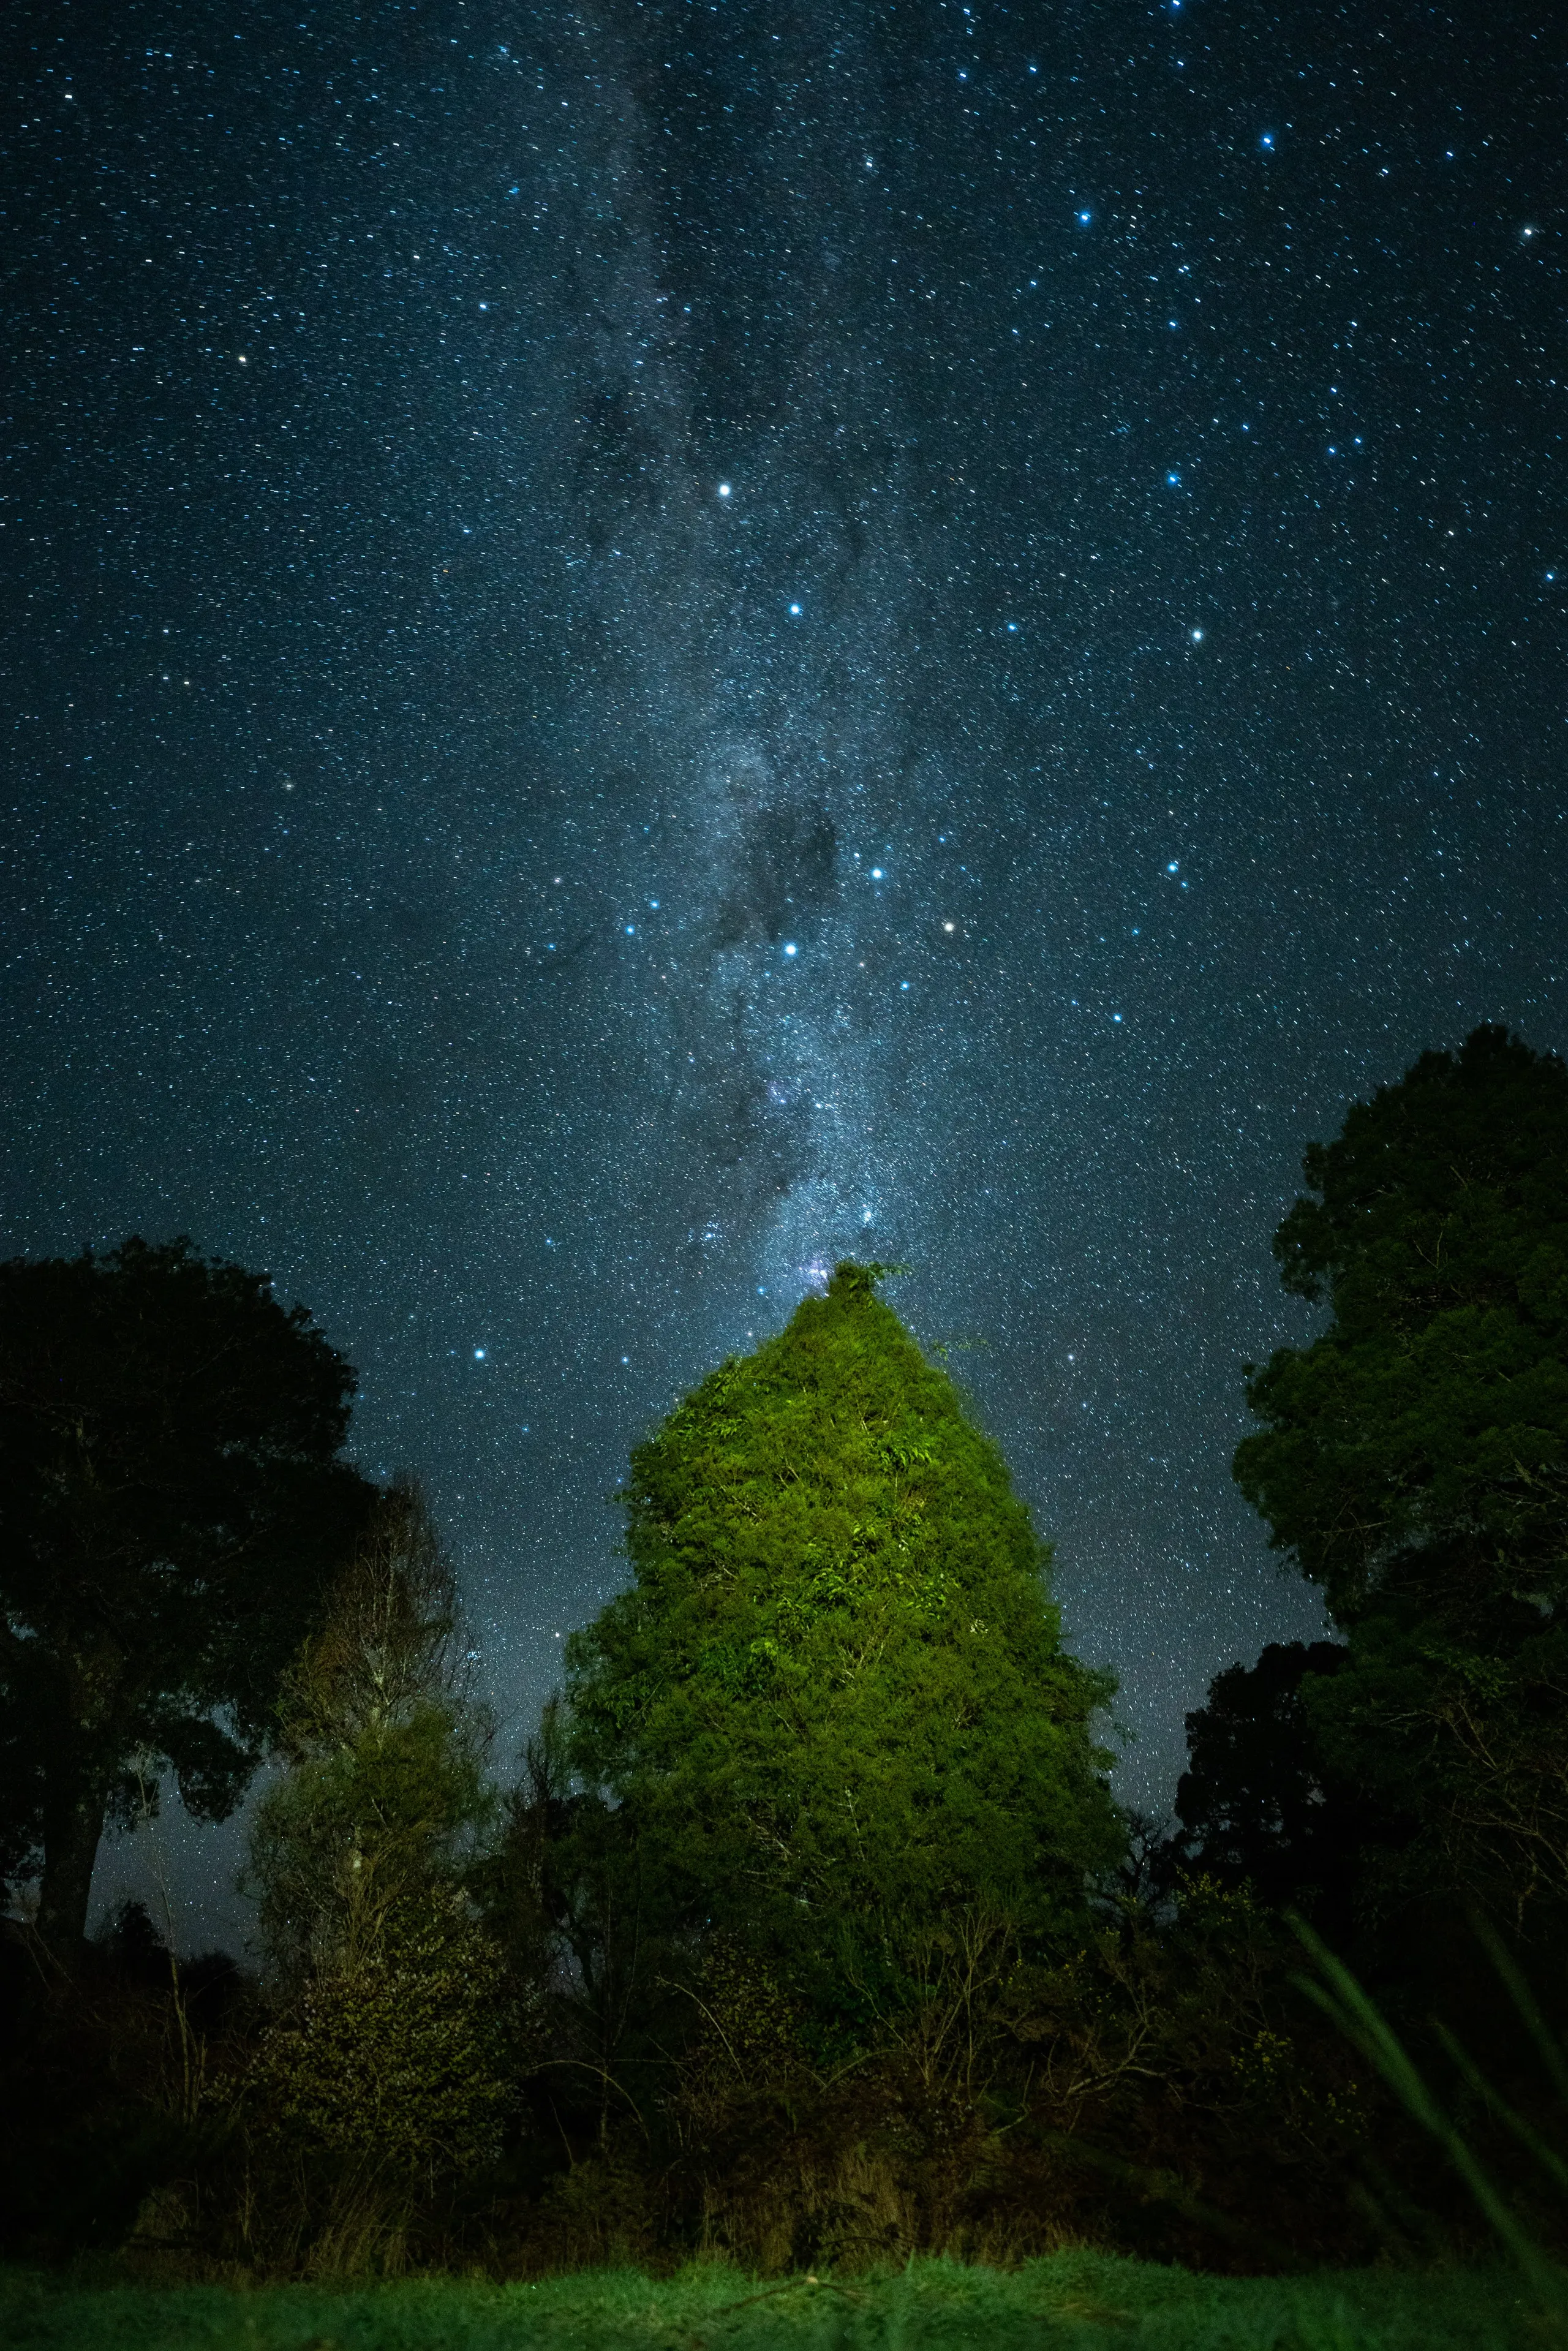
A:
835, 1694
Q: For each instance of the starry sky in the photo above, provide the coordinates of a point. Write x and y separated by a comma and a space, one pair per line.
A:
647, 645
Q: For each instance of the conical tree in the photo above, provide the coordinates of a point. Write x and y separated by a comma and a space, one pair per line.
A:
834, 1704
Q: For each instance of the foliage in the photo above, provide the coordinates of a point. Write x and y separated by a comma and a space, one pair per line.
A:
1182, 2100
833, 1703
1259, 1803
1415, 1458
397, 2033
172, 1506
385, 1795
1429, 1423
1162, 2088
401, 2055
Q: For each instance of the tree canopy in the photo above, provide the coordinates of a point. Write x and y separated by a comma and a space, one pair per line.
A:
835, 1695
1431, 1417
1415, 1456
172, 1507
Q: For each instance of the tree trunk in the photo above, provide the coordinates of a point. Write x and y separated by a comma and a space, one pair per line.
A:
74, 1806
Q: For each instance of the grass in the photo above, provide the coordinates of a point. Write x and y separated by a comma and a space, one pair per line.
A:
1069, 2302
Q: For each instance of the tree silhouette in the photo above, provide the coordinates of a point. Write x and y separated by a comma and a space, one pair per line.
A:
1415, 1458
172, 1506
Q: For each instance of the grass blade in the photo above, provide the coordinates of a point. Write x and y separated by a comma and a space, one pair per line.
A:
1357, 2015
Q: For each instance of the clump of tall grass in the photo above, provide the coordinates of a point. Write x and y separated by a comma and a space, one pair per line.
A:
1344, 2000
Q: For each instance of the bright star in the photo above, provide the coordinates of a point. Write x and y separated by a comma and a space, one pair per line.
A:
479, 1354
1198, 636
796, 610
1086, 218
876, 874
723, 489
789, 946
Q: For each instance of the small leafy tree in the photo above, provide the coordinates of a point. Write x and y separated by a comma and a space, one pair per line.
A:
173, 1506
396, 2041
400, 2061
1415, 1458
834, 1703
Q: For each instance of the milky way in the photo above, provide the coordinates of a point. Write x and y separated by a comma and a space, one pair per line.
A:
649, 644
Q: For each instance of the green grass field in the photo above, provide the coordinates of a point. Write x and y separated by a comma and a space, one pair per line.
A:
1080, 2300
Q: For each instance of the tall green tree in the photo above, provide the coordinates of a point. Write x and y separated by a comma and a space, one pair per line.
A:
834, 1702
1413, 1457
172, 1505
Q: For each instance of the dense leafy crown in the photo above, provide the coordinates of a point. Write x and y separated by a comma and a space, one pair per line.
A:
1434, 1410
836, 1686
172, 1504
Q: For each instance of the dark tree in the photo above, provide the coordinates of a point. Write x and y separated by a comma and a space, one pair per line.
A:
171, 1508
1415, 1456
834, 1704
1258, 1802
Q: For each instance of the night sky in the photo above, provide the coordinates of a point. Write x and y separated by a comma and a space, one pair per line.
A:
645, 645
